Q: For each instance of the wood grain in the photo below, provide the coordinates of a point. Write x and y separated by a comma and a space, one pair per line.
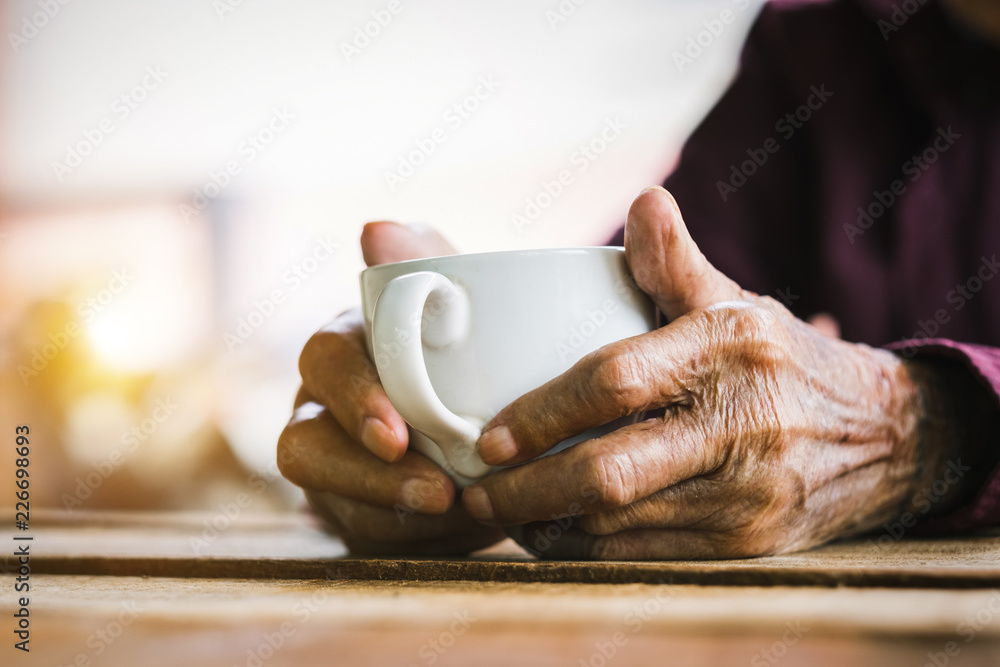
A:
140, 589
293, 547
195, 622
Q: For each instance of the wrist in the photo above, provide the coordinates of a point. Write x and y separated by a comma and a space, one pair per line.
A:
954, 413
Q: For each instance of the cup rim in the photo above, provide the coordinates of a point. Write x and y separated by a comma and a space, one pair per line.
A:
521, 251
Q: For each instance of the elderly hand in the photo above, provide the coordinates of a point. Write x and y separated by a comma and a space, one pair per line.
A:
347, 446
774, 436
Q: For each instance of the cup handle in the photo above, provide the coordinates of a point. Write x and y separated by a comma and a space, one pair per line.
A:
399, 335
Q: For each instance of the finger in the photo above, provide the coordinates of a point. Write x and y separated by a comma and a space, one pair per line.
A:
336, 371
827, 324
666, 262
596, 475
316, 453
367, 529
334, 363
622, 378
549, 540
384, 242
694, 503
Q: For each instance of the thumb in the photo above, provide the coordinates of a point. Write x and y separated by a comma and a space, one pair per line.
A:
666, 262
384, 242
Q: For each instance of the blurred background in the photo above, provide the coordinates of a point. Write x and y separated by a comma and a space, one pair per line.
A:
183, 184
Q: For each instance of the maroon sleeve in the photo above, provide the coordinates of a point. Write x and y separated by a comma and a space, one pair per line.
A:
776, 230
984, 363
754, 235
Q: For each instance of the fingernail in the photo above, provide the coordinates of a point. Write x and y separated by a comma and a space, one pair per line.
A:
379, 439
497, 446
662, 189
425, 495
477, 503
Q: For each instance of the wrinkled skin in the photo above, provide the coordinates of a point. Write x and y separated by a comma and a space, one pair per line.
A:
772, 434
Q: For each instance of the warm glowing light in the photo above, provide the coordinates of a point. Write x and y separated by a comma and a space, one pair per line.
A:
120, 344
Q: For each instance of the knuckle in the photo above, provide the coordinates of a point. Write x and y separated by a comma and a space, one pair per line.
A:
750, 545
288, 453
739, 320
613, 478
602, 523
327, 349
773, 305
312, 353
614, 547
618, 379
638, 514
338, 363
755, 324
296, 443
751, 336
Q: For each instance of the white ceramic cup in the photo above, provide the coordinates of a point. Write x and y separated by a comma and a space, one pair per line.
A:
457, 338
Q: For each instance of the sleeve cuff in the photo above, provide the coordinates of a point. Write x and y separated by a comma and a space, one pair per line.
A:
983, 511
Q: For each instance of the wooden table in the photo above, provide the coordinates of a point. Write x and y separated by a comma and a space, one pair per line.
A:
148, 589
